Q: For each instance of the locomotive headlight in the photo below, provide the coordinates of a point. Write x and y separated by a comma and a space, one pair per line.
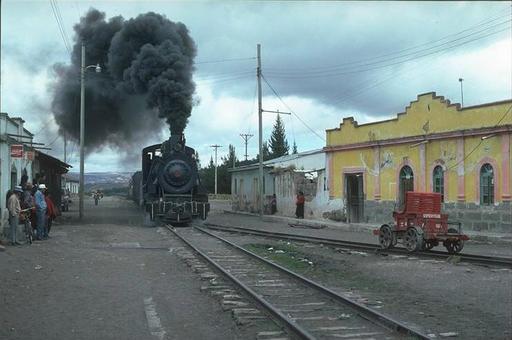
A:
177, 173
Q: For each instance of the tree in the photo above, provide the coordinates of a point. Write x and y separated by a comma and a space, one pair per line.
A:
266, 152
294, 149
278, 144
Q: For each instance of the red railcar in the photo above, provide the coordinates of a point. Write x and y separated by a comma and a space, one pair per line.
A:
422, 226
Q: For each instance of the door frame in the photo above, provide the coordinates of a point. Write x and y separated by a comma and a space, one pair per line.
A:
353, 171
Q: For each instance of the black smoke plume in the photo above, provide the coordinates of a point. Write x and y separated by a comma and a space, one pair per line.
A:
147, 65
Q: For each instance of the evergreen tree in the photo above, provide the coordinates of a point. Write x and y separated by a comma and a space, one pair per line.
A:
294, 149
278, 144
266, 152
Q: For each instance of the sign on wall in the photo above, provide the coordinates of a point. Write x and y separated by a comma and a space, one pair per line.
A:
17, 151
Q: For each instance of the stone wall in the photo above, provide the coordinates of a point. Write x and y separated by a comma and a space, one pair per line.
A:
378, 212
496, 218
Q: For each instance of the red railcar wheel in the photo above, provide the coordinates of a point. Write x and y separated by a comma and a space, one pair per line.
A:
386, 237
413, 240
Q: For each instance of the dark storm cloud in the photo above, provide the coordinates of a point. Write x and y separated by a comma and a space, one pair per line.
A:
147, 65
314, 36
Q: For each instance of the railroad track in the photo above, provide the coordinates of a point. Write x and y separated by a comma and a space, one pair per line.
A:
470, 258
306, 309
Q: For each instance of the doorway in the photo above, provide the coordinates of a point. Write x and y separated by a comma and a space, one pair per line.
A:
406, 184
355, 197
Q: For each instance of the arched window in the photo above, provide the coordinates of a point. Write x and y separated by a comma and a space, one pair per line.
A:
486, 184
438, 181
406, 183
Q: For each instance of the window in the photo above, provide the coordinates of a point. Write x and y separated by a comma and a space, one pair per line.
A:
438, 181
406, 183
236, 187
486, 184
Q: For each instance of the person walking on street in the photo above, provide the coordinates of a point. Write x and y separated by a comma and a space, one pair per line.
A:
41, 213
299, 211
14, 208
51, 211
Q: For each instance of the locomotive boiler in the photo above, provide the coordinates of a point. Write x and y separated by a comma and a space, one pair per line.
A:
171, 187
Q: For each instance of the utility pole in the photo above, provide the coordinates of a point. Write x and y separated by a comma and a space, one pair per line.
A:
216, 147
246, 137
83, 68
82, 133
260, 128
461, 92
260, 131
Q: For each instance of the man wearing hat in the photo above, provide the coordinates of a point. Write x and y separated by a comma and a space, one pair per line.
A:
41, 212
14, 208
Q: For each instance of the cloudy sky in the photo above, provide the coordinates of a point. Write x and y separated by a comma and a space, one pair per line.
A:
322, 61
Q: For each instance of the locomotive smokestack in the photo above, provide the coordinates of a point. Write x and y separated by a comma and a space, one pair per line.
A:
147, 66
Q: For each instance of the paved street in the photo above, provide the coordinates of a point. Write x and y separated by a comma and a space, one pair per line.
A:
109, 278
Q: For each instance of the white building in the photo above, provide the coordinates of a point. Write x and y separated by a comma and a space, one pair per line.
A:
73, 186
285, 177
16, 157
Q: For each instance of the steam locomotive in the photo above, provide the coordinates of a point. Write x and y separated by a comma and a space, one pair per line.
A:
170, 185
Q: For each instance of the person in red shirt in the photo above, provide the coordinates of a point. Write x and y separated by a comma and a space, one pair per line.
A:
51, 210
299, 211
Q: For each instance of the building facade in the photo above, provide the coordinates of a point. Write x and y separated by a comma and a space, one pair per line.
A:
14, 162
19, 157
284, 177
433, 146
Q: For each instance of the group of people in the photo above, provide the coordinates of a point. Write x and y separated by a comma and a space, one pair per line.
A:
30, 203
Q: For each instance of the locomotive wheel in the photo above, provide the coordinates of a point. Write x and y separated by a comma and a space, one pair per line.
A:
386, 237
413, 241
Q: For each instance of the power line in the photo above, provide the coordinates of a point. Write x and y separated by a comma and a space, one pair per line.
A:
481, 141
58, 19
223, 60
361, 61
344, 71
282, 101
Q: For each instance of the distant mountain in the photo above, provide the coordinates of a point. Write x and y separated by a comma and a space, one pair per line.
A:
102, 180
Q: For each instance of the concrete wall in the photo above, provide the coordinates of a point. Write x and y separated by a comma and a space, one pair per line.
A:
245, 189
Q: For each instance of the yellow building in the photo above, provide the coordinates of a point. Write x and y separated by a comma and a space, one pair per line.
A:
434, 146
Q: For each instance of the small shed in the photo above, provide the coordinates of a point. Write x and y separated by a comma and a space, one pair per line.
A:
49, 170
283, 176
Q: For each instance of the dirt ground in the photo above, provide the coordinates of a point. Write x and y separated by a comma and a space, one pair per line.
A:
436, 297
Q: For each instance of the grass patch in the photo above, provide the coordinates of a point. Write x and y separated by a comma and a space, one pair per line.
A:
287, 256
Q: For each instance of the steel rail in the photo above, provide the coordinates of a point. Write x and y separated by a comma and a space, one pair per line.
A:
470, 258
363, 311
258, 299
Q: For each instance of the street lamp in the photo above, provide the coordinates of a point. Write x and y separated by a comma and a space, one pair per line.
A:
83, 68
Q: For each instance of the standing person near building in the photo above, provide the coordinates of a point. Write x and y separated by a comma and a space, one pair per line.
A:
51, 211
273, 204
299, 211
41, 212
14, 208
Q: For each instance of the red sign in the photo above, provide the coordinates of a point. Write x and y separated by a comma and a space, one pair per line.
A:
17, 151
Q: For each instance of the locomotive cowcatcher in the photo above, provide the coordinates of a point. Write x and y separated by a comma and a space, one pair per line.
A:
172, 191
421, 225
